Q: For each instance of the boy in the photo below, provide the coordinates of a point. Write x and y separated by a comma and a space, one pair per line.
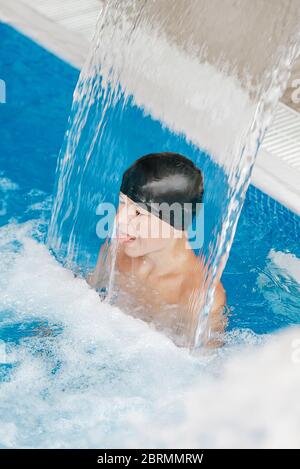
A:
157, 275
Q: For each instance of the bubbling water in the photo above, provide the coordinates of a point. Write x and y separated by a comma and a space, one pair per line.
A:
79, 373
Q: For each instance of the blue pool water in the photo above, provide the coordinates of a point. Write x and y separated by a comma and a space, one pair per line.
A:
261, 277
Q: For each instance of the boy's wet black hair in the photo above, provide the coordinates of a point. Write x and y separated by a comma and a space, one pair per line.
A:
169, 178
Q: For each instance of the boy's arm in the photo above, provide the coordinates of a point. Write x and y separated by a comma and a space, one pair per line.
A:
217, 319
99, 276
217, 316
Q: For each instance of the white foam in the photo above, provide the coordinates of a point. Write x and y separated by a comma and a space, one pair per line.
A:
288, 262
7, 184
115, 374
254, 403
279, 285
6, 187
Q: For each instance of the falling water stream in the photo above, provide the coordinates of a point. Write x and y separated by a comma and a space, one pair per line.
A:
198, 77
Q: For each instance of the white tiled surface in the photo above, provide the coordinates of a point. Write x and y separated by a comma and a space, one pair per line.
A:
76, 15
63, 42
66, 27
283, 137
277, 168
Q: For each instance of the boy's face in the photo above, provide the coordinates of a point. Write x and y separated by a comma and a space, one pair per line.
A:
139, 231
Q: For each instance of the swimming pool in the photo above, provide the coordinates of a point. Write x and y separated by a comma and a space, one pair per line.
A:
77, 374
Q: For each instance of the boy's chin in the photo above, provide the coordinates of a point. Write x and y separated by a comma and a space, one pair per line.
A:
132, 251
